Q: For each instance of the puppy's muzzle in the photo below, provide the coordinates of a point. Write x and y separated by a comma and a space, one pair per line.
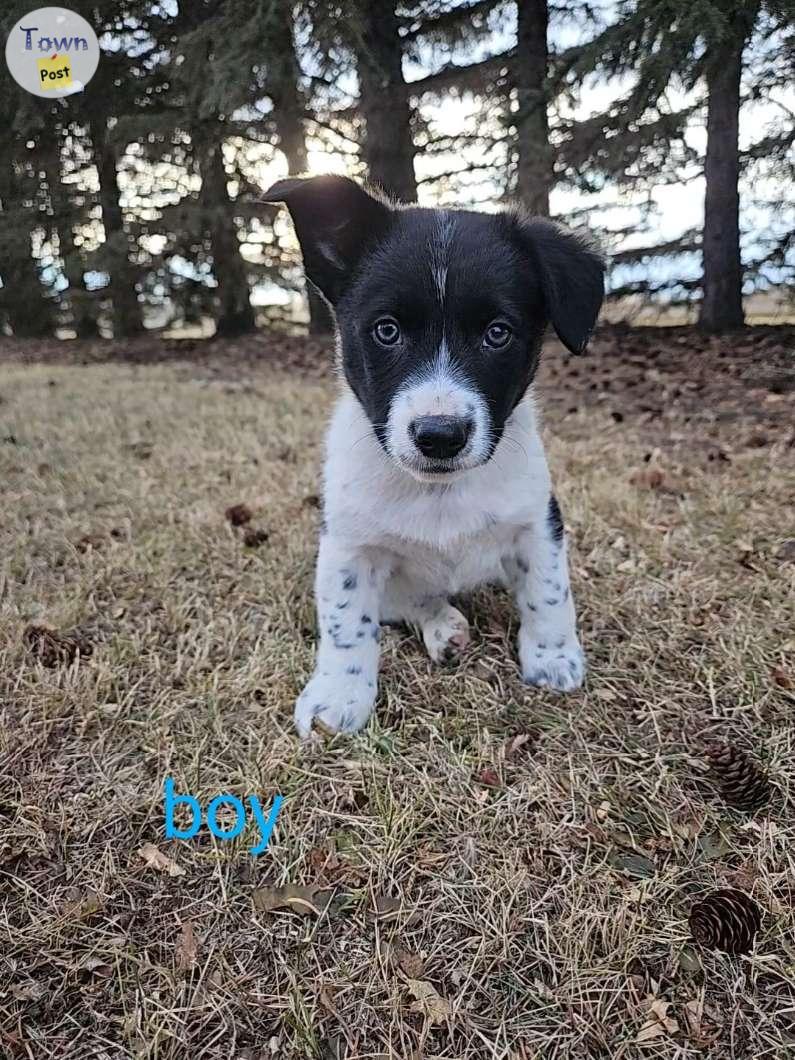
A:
440, 437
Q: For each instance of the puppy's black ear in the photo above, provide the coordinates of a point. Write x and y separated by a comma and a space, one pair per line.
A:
334, 220
572, 274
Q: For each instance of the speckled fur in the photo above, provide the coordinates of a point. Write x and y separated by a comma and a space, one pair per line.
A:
406, 527
395, 548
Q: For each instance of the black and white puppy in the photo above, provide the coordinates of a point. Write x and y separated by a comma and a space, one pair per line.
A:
435, 476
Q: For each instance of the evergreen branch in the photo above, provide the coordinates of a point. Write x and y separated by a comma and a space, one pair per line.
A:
473, 76
447, 21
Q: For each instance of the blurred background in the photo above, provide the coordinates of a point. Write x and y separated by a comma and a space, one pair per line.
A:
665, 127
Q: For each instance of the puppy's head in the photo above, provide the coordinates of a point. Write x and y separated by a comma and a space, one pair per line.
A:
440, 312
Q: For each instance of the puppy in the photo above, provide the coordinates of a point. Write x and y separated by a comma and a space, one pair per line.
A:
435, 476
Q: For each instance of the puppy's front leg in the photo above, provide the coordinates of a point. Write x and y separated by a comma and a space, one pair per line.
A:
342, 690
549, 650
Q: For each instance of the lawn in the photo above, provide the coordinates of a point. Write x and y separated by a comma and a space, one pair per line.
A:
488, 871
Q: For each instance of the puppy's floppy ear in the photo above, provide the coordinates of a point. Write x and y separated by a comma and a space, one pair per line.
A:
572, 275
334, 220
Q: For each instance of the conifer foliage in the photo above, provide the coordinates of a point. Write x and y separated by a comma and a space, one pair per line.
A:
137, 202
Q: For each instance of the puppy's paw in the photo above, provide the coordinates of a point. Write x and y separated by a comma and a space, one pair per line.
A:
446, 635
552, 662
340, 702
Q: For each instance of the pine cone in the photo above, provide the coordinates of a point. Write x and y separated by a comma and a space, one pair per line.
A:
239, 514
743, 784
54, 648
254, 538
726, 920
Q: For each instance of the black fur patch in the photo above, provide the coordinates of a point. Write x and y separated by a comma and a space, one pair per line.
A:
372, 260
555, 519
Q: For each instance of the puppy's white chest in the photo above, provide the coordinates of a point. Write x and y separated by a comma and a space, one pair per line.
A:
453, 562
449, 535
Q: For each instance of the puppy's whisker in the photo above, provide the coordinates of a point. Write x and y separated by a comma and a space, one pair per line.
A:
368, 434
358, 441
517, 446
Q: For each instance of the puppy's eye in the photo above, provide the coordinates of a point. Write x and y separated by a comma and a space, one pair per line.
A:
386, 331
497, 335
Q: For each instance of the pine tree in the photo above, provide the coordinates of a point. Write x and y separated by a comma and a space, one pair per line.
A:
534, 177
127, 316
77, 306
487, 150
700, 45
289, 110
197, 98
235, 312
369, 36
24, 304
517, 89
212, 72
116, 90
388, 147
26, 307
722, 302
224, 102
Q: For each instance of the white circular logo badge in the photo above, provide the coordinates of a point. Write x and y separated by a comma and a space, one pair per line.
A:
52, 52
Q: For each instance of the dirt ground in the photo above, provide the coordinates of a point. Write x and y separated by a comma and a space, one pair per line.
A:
488, 871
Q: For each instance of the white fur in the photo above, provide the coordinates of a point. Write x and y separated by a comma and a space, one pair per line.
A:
445, 634
370, 502
440, 250
440, 389
402, 546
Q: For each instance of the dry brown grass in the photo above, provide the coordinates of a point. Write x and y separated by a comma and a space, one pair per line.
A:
541, 886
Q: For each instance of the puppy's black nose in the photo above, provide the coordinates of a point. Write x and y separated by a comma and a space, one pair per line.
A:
440, 437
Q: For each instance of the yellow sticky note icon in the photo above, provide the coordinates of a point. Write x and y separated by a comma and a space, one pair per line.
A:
55, 72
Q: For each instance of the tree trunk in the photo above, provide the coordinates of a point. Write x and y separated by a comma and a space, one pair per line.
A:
23, 302
722, 303
288, 114
76, 297
534, 167
127, 318
388, 148
235, 313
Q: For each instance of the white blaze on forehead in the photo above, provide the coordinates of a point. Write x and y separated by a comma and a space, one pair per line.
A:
440, 389
440, 250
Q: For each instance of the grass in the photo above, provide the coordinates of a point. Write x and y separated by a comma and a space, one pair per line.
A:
489, 871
